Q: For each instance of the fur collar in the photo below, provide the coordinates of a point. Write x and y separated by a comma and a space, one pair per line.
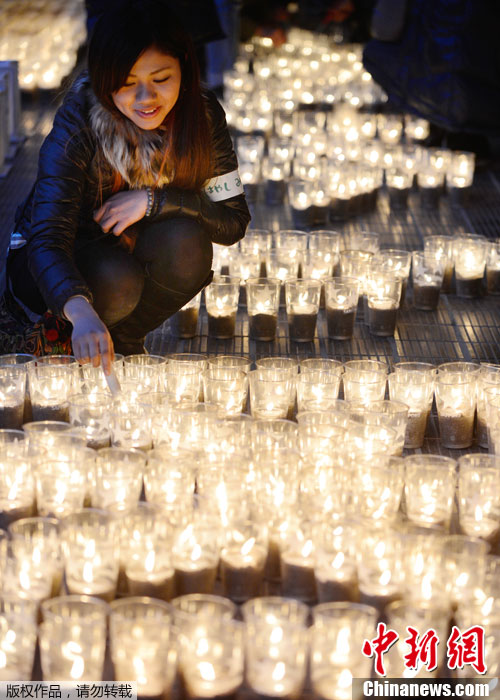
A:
134, 153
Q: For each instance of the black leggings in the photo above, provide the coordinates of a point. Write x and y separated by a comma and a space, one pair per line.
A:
133, 292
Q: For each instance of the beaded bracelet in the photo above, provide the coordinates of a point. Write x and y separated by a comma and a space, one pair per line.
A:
151, 201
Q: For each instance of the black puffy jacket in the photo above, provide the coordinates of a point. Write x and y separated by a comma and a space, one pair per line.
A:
57, 218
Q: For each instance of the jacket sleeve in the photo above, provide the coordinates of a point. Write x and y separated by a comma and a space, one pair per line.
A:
225, 220
56, 201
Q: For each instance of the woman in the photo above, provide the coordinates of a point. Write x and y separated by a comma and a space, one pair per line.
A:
135, 181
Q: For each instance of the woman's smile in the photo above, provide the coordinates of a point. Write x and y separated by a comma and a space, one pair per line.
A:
151, 89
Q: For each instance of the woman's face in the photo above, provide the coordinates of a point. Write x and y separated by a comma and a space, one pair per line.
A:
151, 89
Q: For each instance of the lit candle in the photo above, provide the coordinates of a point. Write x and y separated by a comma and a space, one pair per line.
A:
242, 570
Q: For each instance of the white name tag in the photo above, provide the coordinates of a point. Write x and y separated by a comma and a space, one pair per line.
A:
223, 186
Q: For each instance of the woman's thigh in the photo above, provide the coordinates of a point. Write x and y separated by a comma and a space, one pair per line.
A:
114, 276
175, 253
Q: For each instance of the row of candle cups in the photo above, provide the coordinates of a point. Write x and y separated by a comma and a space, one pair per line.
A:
317, 254
272, 651
151, 639
304, 532
153, 388
334, 191
379, 278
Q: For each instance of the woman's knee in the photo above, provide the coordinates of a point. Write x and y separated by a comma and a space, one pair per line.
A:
182, 257
116, 283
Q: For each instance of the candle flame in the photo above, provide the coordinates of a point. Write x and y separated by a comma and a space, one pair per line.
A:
307, 548
276, 635
149, 562
196, 553
248, 546
279, 671
207, 671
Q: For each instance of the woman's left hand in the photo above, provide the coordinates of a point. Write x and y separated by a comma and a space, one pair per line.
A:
122, 210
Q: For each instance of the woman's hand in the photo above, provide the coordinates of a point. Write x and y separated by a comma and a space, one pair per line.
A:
90, 338
122, 210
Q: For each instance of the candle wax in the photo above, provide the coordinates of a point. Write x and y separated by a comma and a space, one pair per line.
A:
222, 326
426, 296
456, 431
191, 580
302, 326
185, 322
156, 586
297, 578
242, 576
340, 323
263, 326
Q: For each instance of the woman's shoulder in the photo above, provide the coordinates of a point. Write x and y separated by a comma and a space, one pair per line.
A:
78, 98
215, 110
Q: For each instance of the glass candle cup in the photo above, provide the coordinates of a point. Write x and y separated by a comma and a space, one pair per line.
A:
50, 386
327, 243
456, 402
258, 242
195, 557
302, 306
430, 489
276, 658
297, 564
37, 562
379, 565
91, 413
441, 248
182, 381
226, 388
460, 170
399, 182
403, 614
18, 637
211, 658
492, 400
397, 262
383, 294
478, 496
489, 377
318, 389
185, 321
341, 301
89, 543
335, 567
412, 383
63, 485
470, 261
118, 478
430, 185
272, 393
391, 414
73, 638
221, 300
493, 267
143, 647
12, 396
17, 483
337, 637
130, 423
263, 298
364, 380
243, 557
300, 197
427, 277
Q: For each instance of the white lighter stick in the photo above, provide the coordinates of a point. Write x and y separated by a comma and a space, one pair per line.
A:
112, 382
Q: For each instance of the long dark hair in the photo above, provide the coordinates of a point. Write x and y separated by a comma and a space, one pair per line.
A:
120, 35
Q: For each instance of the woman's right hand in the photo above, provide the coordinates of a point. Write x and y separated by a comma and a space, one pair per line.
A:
91, 339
